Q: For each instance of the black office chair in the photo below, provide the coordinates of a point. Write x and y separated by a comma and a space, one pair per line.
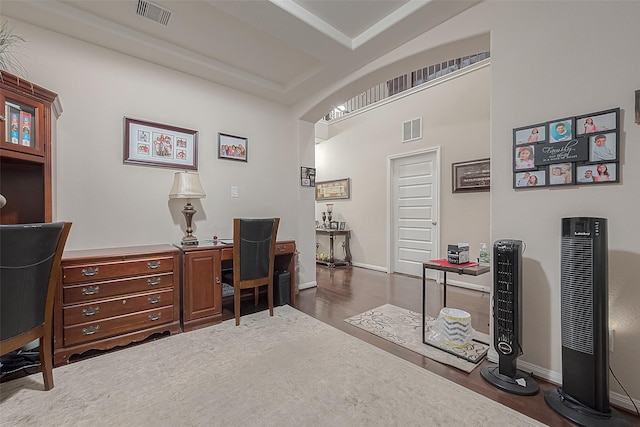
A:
30, 256
254, 246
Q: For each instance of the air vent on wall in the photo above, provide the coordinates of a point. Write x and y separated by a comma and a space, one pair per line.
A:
412, 130
153, 12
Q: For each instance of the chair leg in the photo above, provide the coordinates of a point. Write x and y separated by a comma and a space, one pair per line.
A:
236, 305
270, 297
46, 364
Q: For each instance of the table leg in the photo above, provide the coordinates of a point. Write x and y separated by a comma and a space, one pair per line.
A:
444, 287
424, 282
331, 259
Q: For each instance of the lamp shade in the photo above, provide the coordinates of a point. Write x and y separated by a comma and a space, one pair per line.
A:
186, 186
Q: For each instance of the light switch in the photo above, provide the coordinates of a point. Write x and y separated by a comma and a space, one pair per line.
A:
234, 191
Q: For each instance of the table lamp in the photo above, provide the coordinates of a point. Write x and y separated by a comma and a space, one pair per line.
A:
187, 186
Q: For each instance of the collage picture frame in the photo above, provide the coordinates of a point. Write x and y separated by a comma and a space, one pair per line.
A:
579, 150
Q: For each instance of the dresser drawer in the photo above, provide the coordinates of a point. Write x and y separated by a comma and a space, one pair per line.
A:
114, 269
92, 331
84, 292
102, 309
285, 248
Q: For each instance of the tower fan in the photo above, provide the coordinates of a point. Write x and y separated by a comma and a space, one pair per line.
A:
584, 395
507, 321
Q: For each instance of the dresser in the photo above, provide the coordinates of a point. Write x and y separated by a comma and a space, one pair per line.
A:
113, 297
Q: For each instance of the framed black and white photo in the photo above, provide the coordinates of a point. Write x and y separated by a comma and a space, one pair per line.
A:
232, 147
561, 130
154, 144
561, 174
530, 134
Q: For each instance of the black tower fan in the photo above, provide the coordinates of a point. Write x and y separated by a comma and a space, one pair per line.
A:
507, 320
584, 395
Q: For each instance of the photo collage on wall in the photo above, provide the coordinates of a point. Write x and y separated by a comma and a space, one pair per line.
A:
576, 150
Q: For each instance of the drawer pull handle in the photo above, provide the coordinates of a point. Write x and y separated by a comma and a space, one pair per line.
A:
91, 290
90, 330
153, 264
90, 271
154, 281
154, 300
281, 249
154, 317
90, 311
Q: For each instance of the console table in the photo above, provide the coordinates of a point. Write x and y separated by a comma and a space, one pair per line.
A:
470, 268
333, 262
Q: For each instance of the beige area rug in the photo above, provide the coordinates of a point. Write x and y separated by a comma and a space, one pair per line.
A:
286, 370
404, 327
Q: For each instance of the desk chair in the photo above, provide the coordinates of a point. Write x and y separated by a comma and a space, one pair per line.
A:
254, 245
30, 256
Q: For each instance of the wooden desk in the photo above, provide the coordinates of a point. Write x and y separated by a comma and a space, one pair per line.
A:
202, 267
470, 268
333, 262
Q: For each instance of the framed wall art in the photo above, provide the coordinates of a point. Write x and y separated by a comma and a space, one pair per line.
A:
232, 147
473, 175
154, 144
579, 150
336, 189
307, 177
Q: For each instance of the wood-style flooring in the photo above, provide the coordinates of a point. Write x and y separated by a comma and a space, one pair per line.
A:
346, 291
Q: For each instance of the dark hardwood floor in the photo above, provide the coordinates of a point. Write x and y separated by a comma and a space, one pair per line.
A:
343, 292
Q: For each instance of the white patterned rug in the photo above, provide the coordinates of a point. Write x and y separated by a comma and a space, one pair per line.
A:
403, 327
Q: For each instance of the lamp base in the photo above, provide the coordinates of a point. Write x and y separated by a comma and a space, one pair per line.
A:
189, 241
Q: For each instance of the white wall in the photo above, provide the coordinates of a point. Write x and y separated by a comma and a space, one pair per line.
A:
455, 116
112, 204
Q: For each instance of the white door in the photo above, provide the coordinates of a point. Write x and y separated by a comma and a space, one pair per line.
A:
414, 183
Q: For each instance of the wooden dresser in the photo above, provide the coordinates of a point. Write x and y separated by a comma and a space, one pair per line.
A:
113, 297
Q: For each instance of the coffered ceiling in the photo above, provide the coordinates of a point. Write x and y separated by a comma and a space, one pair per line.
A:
284, 50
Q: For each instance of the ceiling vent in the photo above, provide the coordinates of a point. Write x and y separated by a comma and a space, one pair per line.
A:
412, 130
153, 12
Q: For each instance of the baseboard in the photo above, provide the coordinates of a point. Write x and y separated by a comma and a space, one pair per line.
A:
370, 267
615, 399
467, 285
307, 285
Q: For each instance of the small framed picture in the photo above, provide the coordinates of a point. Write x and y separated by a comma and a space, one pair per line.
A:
524, 157
307, 177
597, 173
603, 147
232, 147
333, 225
561, 130
561, 174
528, 179
530, 134
342, 225
599, 122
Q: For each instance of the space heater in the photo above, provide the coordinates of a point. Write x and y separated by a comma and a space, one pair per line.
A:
507, 320
584, 395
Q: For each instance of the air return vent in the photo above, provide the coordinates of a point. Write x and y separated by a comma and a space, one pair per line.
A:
412, 130
153, 12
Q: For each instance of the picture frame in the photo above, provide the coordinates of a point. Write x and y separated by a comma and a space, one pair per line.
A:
154, 144
638, 106
524, 157
231, 147
342, 225
561, 130
561, 174
533, 179
335, 189
594, 174
532, 134
600, 122
333, 225
603, 147
471, 176
307, 177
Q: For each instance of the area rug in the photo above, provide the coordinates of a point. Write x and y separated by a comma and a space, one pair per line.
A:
285, 370
403, 327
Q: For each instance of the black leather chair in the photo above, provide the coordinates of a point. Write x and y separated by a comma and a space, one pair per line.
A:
254, 246
30, 256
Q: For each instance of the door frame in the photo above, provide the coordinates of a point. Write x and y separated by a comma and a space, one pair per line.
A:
390, 214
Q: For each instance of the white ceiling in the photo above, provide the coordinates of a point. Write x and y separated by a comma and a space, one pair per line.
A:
284, 50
